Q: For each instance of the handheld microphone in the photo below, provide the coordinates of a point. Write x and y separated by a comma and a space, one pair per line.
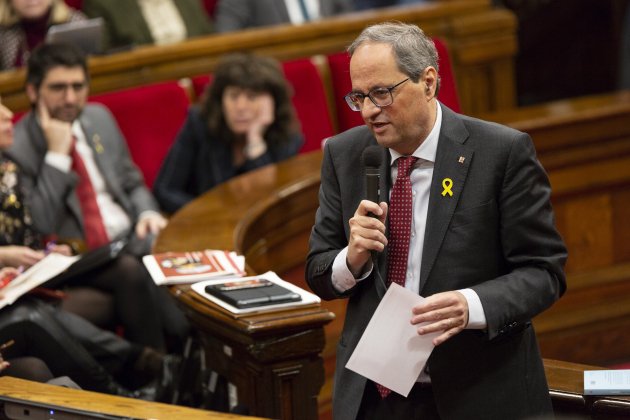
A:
372, 157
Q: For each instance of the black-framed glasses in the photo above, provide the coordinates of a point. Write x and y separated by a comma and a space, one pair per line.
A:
381, 97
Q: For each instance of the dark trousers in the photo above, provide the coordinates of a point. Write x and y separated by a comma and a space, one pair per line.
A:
145, 311
67, 344
419, 405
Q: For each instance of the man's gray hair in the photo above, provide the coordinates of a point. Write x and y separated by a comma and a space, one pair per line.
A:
413, 50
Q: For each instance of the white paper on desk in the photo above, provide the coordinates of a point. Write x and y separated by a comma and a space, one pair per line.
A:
391, 352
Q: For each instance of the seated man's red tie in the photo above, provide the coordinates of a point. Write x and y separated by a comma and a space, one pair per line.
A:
93, 227
400, 216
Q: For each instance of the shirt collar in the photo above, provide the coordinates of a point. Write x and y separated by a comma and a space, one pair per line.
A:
428, 148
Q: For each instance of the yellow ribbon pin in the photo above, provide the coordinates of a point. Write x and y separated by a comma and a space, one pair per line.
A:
447, 184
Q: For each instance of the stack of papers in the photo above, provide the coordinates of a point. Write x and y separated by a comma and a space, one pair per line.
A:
188, 267
607, 382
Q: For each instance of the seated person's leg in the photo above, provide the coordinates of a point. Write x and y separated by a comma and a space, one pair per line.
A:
134, 299
37, 334
30, 368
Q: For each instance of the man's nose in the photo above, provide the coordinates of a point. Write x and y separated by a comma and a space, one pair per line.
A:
70, 95
368, 109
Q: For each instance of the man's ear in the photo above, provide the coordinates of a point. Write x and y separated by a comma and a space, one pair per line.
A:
430, 80
31, 92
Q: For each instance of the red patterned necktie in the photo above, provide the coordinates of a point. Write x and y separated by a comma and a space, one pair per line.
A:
400, 216
93, 227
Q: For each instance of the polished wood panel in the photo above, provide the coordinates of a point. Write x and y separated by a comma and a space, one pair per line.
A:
273, 358
481, 38
584, 144
102, 403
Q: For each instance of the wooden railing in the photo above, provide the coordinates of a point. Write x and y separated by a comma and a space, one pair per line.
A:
481, 38
584, 144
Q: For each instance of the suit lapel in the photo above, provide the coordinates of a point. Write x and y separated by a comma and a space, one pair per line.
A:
449, 176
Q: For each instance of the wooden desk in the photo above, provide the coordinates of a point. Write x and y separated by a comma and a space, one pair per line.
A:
102, 403
272, 358
566, 386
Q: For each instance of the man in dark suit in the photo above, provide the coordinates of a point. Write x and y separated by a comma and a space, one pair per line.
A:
64, 146
483, 248
233, 15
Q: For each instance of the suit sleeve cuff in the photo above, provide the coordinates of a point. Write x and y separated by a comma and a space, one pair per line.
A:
476, 315
59, 161
342, 278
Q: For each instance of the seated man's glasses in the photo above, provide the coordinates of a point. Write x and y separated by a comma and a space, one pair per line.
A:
381, 97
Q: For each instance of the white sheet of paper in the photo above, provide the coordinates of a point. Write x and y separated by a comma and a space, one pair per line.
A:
391, 352
42, 271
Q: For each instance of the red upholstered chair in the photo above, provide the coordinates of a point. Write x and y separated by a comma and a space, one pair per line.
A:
199, 84
309, 101
210, 6
149, 117
75, 4
340, 76
448, 88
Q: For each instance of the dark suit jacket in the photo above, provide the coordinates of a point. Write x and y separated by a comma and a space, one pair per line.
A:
495, 235
233, 15
50, 192
125, 25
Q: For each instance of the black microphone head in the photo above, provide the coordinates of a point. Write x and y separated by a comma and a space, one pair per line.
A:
372, 157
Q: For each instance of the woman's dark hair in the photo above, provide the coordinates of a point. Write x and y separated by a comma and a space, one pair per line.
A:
258, 74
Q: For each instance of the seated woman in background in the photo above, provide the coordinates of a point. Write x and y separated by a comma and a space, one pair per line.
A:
136, 22
245, 121
24, 24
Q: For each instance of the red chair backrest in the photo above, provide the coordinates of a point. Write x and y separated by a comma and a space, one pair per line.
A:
199, 84
149, 117
448, 88
309, 101
210, 6
75, 4
340, 76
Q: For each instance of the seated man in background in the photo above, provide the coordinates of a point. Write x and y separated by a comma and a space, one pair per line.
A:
24, 25
233, 15
136, 22
40, 340
80, 183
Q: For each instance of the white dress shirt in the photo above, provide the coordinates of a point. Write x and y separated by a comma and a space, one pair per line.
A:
295, 11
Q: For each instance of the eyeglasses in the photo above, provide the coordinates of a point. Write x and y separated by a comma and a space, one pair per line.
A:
60, 88
381, 97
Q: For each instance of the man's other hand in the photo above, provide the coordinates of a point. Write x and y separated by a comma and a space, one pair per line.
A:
447, 312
